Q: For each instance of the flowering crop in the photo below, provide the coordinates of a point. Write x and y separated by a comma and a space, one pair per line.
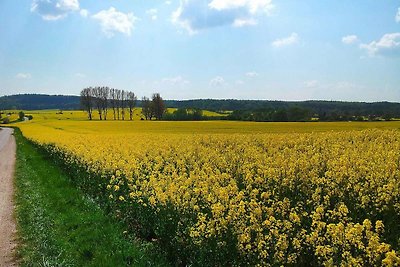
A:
327, 198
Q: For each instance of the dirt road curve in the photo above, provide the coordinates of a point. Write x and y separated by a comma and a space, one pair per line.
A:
7, 220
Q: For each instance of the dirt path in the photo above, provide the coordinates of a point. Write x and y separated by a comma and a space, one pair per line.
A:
7, 220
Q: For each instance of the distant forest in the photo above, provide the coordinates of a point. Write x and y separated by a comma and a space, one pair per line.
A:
37, 102
253, 110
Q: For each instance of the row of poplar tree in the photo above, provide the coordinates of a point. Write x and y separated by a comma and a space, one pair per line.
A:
120, 103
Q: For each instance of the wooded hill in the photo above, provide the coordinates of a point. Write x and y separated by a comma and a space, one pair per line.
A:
38, 101
314, 107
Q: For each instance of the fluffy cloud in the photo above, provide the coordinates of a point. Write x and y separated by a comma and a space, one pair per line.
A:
152, 13
244, 22
292, 39
23, 76
195, 15
350, 39
84, 13
217, 81
397, 18
54, 9
112, 21
388, 45
253, 6
251, 74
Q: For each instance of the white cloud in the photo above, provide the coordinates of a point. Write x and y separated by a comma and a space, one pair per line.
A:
350, 39
196, 15
253, 6
152, 13
217, 81
84, 13
68, 4
311, 83
112, 21
168, 2
252, 74
54, 9
23, 76
397, 18
244, 22
178, 80
292, 39
388, 45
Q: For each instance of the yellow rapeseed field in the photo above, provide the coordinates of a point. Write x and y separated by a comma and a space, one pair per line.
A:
55, 114
239, 193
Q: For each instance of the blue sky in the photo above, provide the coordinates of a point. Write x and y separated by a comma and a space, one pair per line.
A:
245, 49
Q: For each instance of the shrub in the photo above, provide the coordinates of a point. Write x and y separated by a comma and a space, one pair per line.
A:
21, 115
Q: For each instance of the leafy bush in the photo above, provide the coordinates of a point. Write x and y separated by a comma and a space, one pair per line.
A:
21, 115
6, 120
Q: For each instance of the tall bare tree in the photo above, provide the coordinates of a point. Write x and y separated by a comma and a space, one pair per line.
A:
113, 95
105, 92
118, 95
158, 106
101, 98
98, 101
87, 101
147, 108
131, 101
123, 103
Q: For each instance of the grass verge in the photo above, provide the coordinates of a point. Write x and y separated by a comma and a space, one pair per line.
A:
59, 226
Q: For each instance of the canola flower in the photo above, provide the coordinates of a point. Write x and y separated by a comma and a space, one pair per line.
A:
329, 198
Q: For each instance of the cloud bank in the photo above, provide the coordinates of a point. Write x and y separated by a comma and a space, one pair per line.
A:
113, 21
292, 39
54, 9
350, 39
388, 45
196, 15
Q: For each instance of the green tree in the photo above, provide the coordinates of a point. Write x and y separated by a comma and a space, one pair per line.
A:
147, 108
158, 106
87, 101
387, 117
21, 115
131, 101
280, 115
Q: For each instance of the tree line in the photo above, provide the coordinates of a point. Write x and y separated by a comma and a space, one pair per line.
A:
256, 110
120, 103
185, 114
278, 115
298, 114
39, 102
324, 110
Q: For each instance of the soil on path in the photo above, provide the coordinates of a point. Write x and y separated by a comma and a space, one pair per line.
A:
7, 219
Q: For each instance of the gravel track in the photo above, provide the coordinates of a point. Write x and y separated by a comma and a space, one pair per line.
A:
7, 219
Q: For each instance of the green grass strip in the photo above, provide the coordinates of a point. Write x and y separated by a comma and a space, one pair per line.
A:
59, 226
